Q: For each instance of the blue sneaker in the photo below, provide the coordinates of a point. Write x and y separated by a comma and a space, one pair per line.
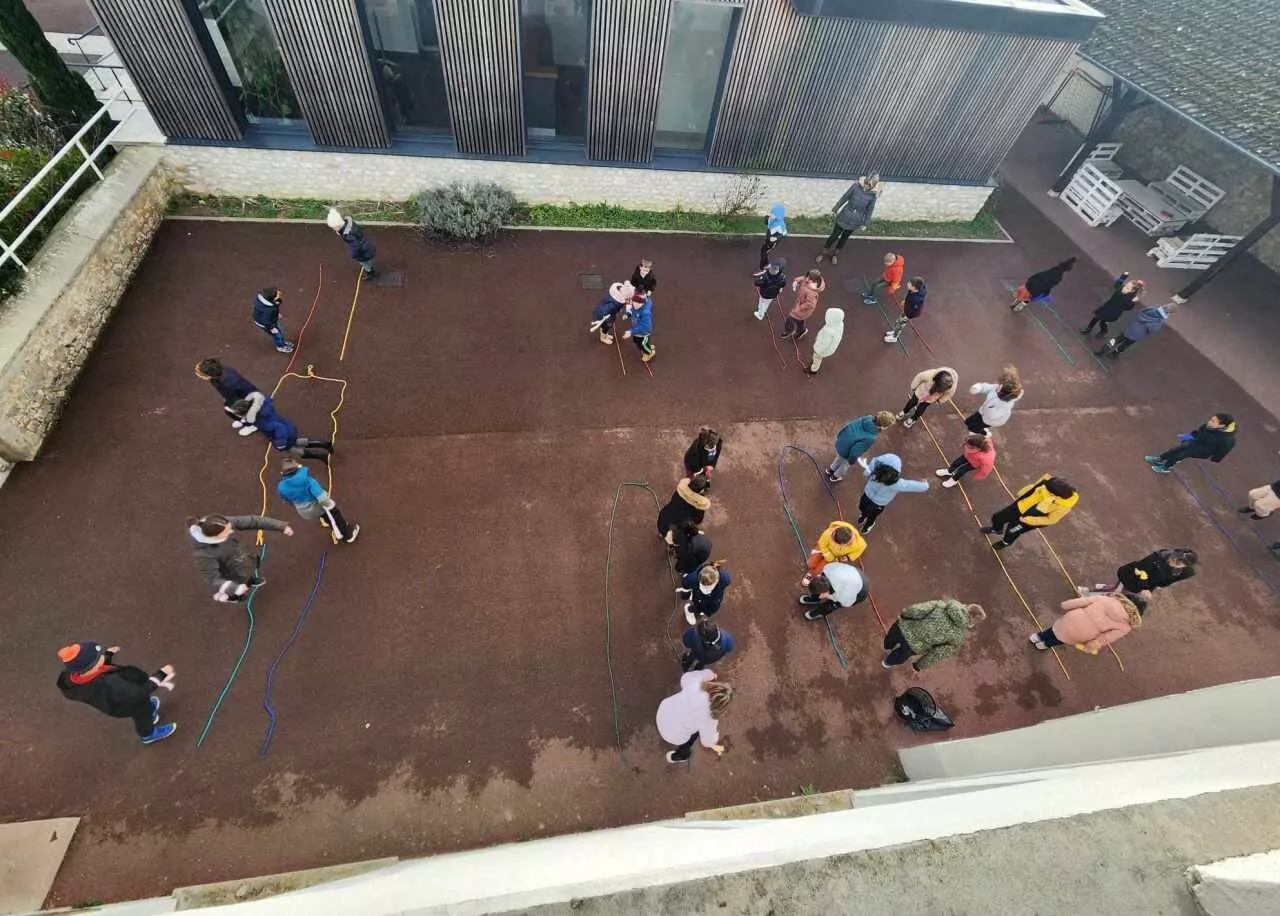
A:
1152, 459
1161, 468
160, 732
155, 710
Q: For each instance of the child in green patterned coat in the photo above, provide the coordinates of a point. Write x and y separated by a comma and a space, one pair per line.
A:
932, 630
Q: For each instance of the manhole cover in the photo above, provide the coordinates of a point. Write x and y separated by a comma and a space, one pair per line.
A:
389, 278
590, 281
854, 284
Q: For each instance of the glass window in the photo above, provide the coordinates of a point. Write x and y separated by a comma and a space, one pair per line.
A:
406, 49
554, 36
697, 45
242, 35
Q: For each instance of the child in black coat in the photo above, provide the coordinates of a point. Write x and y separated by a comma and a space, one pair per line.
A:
120, 691
703, 454
266, 315
770, 282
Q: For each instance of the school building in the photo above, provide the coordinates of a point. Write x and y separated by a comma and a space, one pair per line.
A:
638, 102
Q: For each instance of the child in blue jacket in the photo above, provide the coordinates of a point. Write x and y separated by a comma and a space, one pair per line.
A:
854, 438
912, 306
884, 482
280, 430
705, 588
266, 315
312, 501
640, 311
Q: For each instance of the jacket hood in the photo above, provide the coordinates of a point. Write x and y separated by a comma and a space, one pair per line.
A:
890, 459
836, 317
958, 615
201, 538
1130, 603
866, 426
295, 474
697, 500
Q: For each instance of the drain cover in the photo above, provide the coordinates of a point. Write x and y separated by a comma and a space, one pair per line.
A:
389, 278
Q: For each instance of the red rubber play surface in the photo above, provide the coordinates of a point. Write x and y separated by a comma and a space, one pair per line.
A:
449, 687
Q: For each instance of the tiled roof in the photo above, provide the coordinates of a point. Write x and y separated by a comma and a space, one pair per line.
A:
1217, 61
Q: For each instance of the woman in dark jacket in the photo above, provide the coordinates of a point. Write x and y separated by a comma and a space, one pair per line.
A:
692, 547
853, 211
703, 453
1160, 569
687, 504
1126, 295
1039, 286
1213, 440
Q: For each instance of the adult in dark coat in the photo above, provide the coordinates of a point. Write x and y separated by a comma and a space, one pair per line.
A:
703, 453
692, 547
1159, 569
853, 210
1124, 297
120, 691
1213, 440
705, 644
687, 504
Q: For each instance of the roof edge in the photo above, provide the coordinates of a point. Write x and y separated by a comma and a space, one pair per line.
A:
1063, 20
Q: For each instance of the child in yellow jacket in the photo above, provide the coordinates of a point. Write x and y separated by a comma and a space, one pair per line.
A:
1040, 504
841, 542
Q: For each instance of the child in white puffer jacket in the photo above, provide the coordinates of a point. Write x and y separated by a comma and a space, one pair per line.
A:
827, 340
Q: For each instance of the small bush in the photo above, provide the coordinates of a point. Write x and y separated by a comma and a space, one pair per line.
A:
464, 212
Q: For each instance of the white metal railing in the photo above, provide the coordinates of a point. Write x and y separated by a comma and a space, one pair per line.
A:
9, 250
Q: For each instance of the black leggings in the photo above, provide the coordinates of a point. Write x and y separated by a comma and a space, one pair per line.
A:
975, 424
792, 326
770, 243
895, 644
959, 467
916, 405
1096, 322
1007, 524
868, 511
837, 238
685, 751
142, 717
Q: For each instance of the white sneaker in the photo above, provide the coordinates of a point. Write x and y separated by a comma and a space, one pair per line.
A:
355, 533
248, 430
890, 338
950, 482
760, 315
900, 415
907, 423
689, 616
942, 472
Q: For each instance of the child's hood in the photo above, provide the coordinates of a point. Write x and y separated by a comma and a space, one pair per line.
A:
890, 459
834, 317
777, 219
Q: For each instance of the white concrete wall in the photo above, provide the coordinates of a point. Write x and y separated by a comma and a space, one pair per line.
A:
560, 869
1212, 717
1240, 886
368, 176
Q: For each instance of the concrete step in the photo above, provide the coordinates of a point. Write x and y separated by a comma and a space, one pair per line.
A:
796, 806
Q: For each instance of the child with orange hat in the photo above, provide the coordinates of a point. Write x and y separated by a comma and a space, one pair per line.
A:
120, 691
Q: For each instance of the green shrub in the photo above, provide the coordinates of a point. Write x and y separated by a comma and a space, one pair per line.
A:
464, 212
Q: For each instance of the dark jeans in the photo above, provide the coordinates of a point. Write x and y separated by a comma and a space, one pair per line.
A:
868, 511
837, 238
827, 606
685, 751
1006, 522
1176, 454
916, 405
792, 326
142, 716
895, 644
770, 243
975, 424
1123, 343
607, 326
1047, 637
959, 467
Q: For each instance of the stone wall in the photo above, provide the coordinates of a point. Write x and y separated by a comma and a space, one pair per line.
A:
48, 330
1156, 141
362, 176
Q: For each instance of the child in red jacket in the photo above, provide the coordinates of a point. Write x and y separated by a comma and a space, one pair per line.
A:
979, 456
895, 265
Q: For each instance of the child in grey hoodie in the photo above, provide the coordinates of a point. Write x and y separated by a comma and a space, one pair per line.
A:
225, 564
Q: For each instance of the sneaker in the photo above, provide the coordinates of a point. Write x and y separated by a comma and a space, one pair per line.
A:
1036, 641
1083, 591
950, 482
367, 274
155, 710
248, 430
355, 533
287, 347
606, 339
835, 259
942, 472
1152, 459
867, 530
809, 599
809, 372
900, 415
811, 615
1102, 586
908, 422
999, 545
869, 300
672, 758
689, 616
760, 316
160, 732
832, 478
650, 355
684, 592
804, 332
1161, 468
236, 424
786, 336
987, 529
819, 259
891, 338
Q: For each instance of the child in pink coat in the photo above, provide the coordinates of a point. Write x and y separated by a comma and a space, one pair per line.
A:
807, 290
1093, 622
979, 456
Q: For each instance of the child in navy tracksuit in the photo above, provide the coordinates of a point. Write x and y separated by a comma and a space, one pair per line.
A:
705, 588
231, 387
912, 306
640, 311
360, 248
280, 430
266, 315
298, 488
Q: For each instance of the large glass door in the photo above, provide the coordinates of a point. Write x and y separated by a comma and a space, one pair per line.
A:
554, 38
692, 70
406, 51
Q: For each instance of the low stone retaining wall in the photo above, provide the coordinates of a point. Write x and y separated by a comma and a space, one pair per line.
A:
76, 281
242, 172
